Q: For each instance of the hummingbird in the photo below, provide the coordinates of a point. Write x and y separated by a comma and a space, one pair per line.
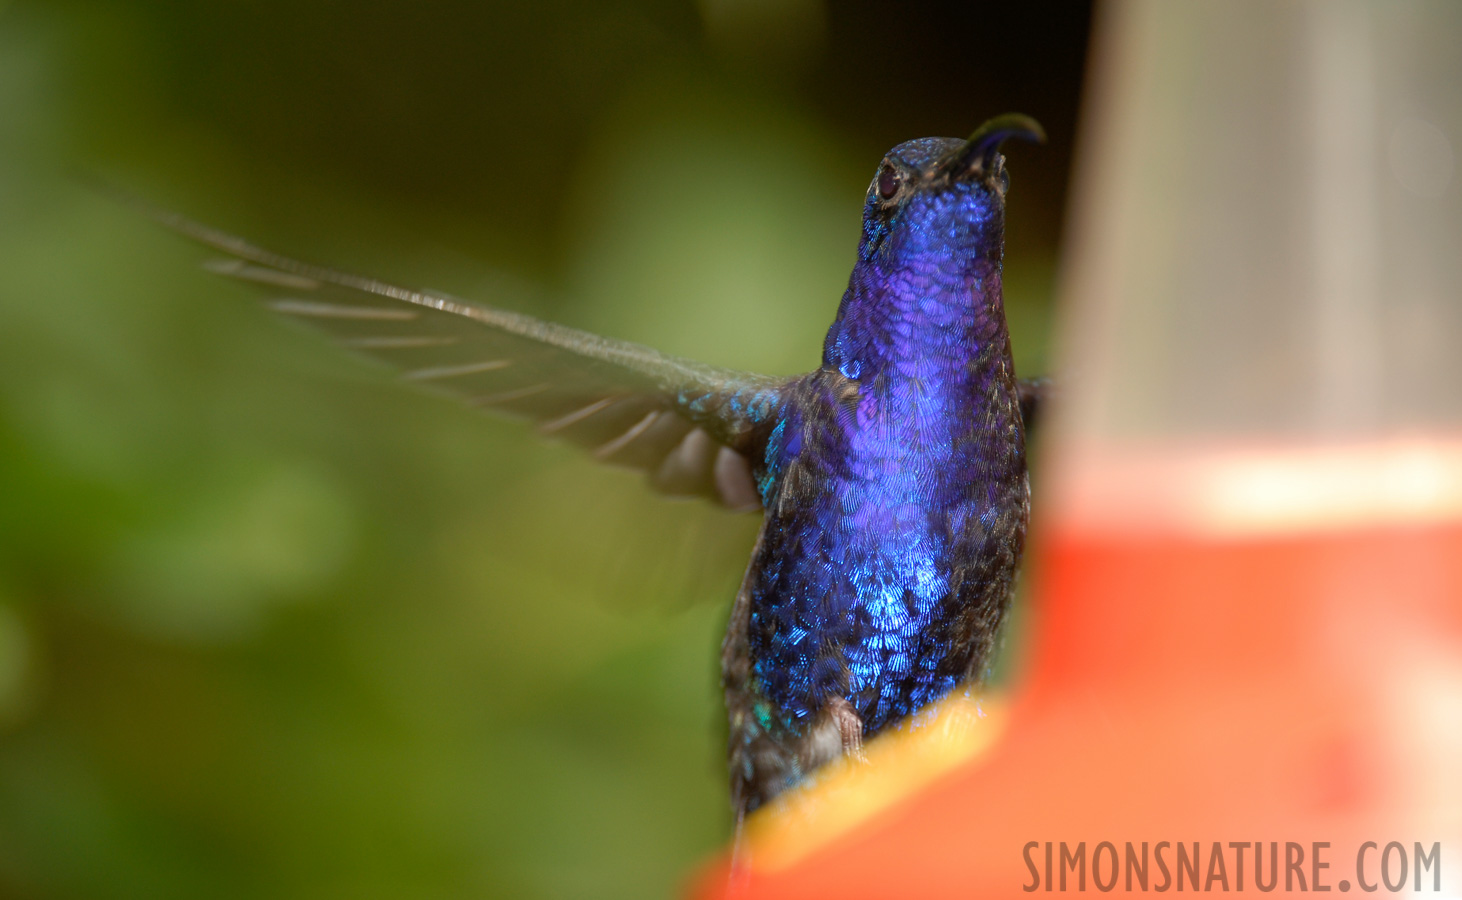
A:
891, 480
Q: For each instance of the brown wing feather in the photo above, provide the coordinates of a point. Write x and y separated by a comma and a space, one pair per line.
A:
692, 428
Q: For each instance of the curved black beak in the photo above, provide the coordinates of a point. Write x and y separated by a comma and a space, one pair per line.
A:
977, 156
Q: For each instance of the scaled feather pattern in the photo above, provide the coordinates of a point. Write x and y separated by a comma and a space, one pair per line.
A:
892, 479
895, 487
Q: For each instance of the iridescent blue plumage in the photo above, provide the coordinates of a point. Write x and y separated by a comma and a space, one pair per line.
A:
894, 482
892, 479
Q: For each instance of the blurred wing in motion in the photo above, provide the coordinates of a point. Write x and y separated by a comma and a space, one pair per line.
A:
1035, 396
691, 427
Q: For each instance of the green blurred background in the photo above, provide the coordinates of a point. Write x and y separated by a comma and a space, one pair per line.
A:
274, 625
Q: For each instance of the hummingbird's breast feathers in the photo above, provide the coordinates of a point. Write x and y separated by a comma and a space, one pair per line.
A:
892, 478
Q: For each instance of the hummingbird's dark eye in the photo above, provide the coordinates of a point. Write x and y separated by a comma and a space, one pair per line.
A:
888, 182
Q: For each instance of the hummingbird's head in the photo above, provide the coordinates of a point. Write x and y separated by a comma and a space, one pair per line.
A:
927, 280
942, 196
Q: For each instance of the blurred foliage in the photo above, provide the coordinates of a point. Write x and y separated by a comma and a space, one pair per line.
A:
274, 625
